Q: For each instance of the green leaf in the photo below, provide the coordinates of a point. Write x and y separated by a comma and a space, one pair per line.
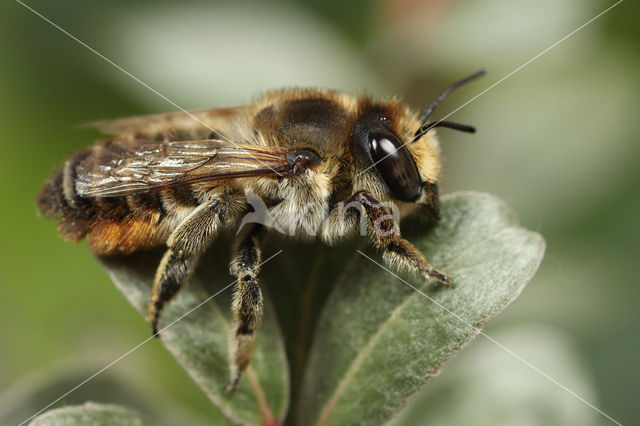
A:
22, 400
28, 397
200, 340
89, 414
379, 341
487, 386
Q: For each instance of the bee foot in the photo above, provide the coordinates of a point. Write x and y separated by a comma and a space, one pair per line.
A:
432, 273
153, 320
233, 386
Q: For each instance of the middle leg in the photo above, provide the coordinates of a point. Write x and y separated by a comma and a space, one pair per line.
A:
247, 304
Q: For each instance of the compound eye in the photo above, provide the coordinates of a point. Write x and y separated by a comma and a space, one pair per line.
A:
395, 164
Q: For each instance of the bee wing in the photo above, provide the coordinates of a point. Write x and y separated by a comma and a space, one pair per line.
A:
217, 118
117, 168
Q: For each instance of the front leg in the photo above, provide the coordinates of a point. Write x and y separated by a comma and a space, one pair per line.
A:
385, 233
247, 304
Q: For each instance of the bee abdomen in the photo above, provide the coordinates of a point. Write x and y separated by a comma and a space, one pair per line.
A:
112, 224
50, 199
52, 203
151, 218
58, 199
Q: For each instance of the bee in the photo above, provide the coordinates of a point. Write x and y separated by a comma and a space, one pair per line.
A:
181, 179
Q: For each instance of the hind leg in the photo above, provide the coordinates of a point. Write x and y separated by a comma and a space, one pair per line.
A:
247, 305
185, 245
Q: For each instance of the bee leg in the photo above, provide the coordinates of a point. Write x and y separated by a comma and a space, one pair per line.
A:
185, 245
385, 232
247, 302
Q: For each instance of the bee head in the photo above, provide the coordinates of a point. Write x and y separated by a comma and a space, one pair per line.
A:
387, 165
397, 147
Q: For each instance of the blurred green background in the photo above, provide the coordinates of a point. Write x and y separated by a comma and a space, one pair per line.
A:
558, 141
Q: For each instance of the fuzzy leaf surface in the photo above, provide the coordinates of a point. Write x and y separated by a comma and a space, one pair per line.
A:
379, 341
89, 414
200, 340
